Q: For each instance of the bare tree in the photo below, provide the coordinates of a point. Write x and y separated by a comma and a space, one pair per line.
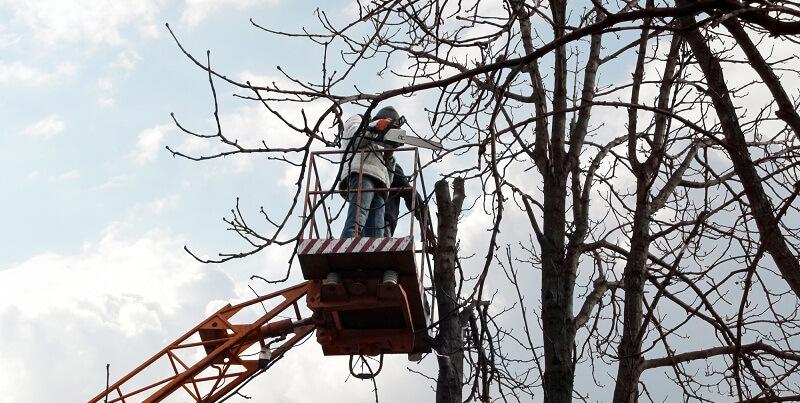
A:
662, 215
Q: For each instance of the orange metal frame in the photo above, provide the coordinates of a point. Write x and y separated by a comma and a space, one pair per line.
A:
217, 346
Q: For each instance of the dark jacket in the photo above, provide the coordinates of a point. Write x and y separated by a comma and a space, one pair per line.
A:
400, 180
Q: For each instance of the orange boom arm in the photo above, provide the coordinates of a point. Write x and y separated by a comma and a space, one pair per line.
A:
210, 361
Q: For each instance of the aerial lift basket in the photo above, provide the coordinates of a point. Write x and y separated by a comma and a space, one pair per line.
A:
366, 293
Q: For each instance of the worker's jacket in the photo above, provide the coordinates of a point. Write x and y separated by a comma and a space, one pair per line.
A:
374, 164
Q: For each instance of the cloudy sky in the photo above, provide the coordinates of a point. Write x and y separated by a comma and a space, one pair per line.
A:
95, 213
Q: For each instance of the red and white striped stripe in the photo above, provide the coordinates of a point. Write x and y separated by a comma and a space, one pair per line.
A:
353, 245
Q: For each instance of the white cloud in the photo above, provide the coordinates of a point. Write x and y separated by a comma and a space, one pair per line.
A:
105, 84
149, 143
195, 11
106, 102
265, 80
251, 126
24, 74
164, 204
151, 30
126, 60
70, 175
92, 21
192, 145
45, 128
116, 301
114, 182
351, 11
8, 39
32, 176
290, 175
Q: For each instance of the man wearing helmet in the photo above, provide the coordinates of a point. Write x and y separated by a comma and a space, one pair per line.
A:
366, 159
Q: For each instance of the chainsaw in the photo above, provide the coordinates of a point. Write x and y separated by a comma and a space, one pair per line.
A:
388, 132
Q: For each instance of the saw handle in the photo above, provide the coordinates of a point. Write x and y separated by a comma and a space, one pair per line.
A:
378, 128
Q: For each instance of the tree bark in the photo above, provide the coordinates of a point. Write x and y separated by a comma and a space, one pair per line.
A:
449, 343
629, 351
558, 279
557, 292
630, 357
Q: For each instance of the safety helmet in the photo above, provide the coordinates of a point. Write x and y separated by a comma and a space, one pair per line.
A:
387, 112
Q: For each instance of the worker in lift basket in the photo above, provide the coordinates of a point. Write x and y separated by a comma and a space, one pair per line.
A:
376, 173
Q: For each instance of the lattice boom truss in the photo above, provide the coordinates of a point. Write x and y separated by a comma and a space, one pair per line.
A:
212, 359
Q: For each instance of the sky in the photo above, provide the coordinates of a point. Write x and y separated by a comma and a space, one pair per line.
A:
95, 212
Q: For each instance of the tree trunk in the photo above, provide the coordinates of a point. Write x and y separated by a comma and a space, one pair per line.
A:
449, 343
557, 289
630, 351
558, 279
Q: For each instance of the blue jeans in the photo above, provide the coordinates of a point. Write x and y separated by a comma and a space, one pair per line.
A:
370, 211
